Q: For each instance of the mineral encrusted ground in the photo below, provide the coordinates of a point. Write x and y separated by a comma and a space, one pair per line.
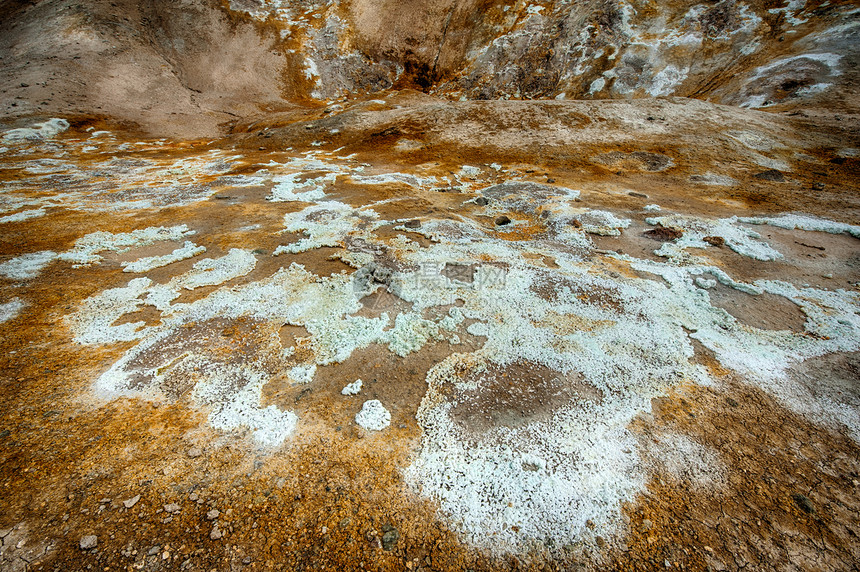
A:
478, 326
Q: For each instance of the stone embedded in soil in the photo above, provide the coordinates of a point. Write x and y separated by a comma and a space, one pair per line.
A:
89, 541
216, 533
803, 502
770, 175
194, 452
390, 536
502, 220
213, 514
663, 234
128, 503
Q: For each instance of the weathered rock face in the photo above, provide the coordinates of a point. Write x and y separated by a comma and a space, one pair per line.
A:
191, 67
749, 53
172, 68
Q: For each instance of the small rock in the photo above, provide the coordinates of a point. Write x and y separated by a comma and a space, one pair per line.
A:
502, 220
90, 541
803, 503
482, 201
194, 452
414, 223
104, 501
600, 541
770, 175
171, 508
663, 234
590, 524
715, 240
213, 514
575, 223
818, 186
216, 533
389, 538
128, 503
373, 539
153, 550
638, 195
193, 497
550, 181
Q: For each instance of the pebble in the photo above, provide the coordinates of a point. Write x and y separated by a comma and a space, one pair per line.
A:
502, 220
171, 508
90, 541
128, 503
414, 223
390, 537
213, 514
482, 201
216, 533
193, 497
194, 452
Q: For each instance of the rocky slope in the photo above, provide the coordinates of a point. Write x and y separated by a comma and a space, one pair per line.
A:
193, 67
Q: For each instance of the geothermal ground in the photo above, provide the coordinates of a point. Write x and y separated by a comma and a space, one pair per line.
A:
383, 314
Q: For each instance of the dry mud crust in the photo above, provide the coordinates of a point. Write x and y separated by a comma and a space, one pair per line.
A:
334, 495
668, 146
788, 499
